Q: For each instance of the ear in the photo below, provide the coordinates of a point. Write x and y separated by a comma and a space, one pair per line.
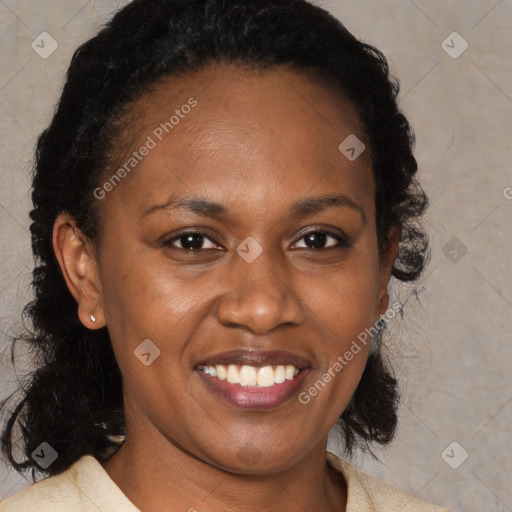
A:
77, 260
386, 265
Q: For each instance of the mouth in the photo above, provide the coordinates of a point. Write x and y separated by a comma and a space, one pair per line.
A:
254, 379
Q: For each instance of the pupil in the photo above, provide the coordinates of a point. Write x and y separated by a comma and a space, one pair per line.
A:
192, 241
315, 239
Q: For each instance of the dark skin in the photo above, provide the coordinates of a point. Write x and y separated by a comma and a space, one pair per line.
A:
256, 143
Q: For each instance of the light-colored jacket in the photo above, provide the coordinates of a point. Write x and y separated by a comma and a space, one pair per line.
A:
87, 487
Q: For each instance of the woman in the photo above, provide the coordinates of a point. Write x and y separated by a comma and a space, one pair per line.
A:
220, 201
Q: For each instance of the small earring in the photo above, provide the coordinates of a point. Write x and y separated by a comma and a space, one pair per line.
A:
93, 318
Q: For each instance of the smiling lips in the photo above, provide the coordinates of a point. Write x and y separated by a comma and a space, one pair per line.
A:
254, 379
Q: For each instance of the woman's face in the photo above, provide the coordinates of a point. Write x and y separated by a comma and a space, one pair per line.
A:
250, 165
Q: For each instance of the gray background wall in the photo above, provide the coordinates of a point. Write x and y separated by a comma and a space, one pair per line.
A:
454, 352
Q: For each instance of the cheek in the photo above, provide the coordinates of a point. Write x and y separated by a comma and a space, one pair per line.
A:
345, 300
343, 307
139, 285
145, 298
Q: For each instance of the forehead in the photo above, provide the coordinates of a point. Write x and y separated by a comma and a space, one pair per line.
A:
246, 96
247, 125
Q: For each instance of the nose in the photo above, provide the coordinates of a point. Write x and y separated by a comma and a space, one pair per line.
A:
259, 296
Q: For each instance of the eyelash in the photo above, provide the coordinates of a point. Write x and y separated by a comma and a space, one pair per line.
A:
343, 241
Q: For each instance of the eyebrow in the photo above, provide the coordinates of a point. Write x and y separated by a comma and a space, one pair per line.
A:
299, 210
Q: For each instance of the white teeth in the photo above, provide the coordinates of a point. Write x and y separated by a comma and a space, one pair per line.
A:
248, 376
279, 374
289, 372
253, 376
233, 375
222, 373
265, 377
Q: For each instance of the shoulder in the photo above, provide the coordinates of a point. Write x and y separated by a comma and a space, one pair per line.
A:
46, 494
367, 494
84, 487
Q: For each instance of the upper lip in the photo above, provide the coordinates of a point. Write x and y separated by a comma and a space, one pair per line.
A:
257, 358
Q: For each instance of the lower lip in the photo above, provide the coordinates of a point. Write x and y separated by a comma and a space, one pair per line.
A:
252, 397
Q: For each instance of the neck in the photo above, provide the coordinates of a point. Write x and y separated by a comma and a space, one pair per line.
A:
167, 477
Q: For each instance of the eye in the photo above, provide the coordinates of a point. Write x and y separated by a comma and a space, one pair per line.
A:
191, 241
321, 240
195, 241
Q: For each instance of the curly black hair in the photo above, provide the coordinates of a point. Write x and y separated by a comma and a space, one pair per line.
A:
73, 399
